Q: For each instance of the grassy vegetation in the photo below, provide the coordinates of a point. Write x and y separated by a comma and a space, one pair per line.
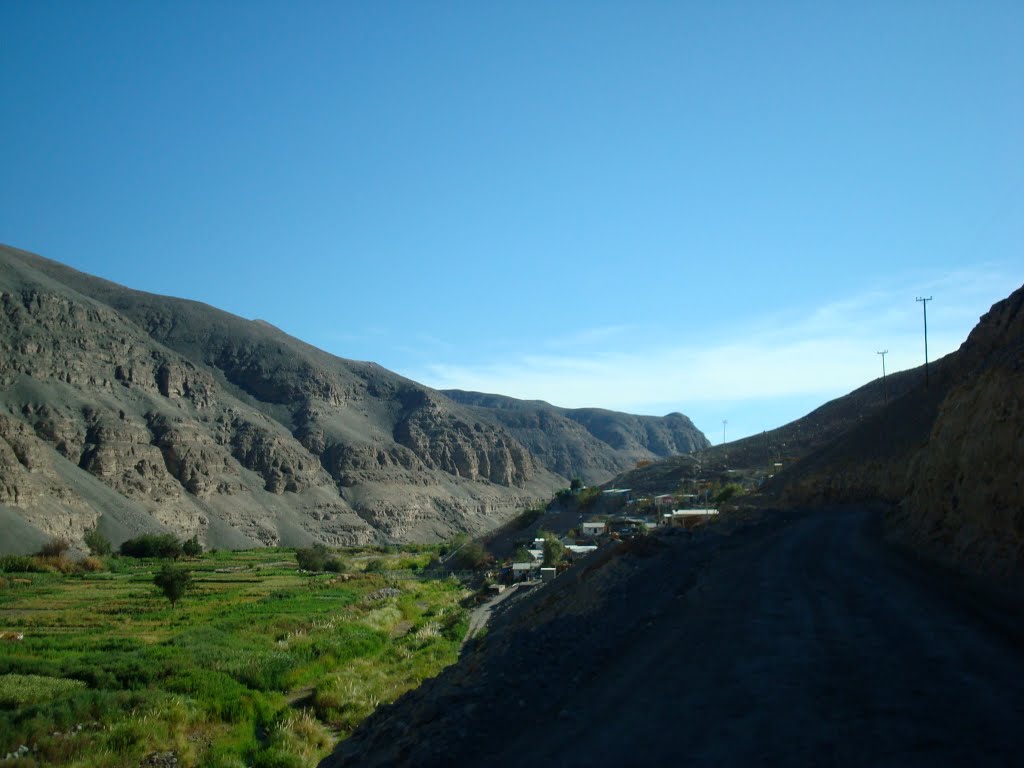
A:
259, 664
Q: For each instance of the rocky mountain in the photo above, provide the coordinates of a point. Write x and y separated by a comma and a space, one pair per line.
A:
590, 443
135, 412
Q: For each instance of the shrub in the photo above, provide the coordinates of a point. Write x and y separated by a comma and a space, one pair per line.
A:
335, 565
91, 565
55, 547
456, 541
732, 489
173, 582
23, 564
192, 547
521, 555
554, 551
376, 565
472, 556
152, 545
56, 563
98, 544
588, 497
312, 558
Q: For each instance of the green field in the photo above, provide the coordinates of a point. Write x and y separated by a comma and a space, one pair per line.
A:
258, 665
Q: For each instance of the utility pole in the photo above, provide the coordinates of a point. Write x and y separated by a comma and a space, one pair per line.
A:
885, 385
724, 422
924, 306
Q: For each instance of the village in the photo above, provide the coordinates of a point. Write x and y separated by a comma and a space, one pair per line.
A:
569, 532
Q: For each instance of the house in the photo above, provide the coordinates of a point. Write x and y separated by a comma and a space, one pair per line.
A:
686, 516
593, 529
548, 574
523, 571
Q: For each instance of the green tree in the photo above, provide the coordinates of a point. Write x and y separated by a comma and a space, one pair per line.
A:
576, 485
152, 545
554, 550
192, 547
472, 556
335, 565
312, 558
521, 555
732, 489
173, 582
98, 544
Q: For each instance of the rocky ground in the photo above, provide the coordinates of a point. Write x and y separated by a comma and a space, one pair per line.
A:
798, 639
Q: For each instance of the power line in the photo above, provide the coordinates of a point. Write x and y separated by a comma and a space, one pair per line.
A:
924, 306
885, 384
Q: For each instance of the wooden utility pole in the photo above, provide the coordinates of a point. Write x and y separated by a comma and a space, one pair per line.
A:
924, 306
885, 385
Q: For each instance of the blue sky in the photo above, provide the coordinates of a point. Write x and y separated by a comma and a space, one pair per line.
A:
724, 209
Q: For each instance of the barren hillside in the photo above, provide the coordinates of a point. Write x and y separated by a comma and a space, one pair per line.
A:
138, 412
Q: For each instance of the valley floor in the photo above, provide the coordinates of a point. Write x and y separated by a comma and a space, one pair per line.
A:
799, 640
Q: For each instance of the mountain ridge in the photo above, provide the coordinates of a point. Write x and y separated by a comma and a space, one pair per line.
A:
202, 422
630, 438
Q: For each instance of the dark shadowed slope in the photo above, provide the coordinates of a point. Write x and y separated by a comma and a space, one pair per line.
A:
798, 641
786, 444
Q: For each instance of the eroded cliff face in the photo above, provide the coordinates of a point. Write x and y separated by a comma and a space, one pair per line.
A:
589, 443
965, 488
87, 394
137, 412
444, 441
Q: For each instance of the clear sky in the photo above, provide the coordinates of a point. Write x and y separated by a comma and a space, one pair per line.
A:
720, 208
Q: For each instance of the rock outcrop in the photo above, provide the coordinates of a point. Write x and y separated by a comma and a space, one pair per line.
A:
139, 412
590, 443
948, 455
965, 488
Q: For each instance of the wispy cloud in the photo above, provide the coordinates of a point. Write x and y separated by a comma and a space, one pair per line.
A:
827, 351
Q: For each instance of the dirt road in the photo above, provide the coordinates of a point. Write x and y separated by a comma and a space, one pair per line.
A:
480, 615
799, 641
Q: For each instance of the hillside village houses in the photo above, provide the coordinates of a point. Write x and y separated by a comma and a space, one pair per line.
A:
618, 515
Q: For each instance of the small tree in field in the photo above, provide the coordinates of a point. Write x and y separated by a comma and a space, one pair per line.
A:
312, 558
98, 544
173, 582
192, 547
